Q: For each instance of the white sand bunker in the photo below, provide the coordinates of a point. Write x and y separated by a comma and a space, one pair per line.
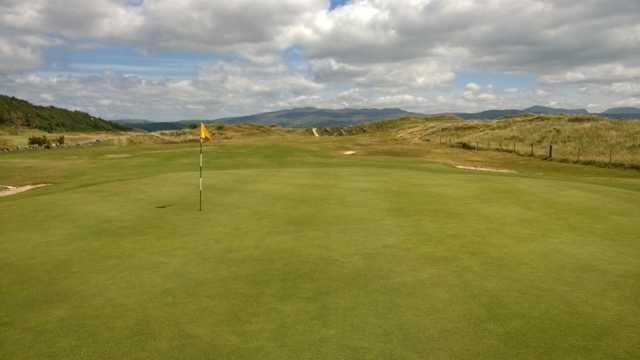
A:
117, 156
6, 190
485, 169
350, 152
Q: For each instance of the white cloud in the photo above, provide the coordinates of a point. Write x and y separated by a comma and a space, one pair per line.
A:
223, 88
18, 56
404, 53
601, 73
416, 74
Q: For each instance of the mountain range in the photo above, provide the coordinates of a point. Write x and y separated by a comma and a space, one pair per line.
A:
315, 117
298, 117
495, 114
17, 112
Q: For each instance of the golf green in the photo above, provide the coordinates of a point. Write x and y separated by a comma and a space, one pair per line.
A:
300, 254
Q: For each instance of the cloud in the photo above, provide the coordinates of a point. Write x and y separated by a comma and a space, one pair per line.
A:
405, 53
416, 74
526, 35
157, 25
16, 55
601, 73
223, 88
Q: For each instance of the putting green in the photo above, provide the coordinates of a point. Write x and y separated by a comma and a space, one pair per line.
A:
302, 255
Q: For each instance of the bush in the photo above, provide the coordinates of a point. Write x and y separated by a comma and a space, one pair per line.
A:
40, 141
60, 140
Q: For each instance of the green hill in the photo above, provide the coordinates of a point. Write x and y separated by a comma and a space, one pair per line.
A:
15, 112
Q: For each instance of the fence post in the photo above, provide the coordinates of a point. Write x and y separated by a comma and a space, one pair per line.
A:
532, 150
550, 151
610, 156
515, 148
579, 153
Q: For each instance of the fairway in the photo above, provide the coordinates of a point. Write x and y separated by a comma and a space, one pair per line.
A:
304, 254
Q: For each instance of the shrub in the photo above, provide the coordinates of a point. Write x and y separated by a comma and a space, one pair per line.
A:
39, 141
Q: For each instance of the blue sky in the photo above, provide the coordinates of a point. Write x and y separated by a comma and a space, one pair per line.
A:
336, 3
165, 60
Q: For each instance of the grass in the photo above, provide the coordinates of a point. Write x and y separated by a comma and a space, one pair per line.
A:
302, 253
574, 138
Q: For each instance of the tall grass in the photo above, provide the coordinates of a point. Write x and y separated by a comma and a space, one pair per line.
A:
574, 138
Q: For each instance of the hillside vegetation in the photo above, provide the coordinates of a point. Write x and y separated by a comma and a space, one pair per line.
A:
579, 138
20, 113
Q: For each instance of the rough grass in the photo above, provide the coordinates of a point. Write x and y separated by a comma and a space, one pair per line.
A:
304, 254
574, 138
11, 137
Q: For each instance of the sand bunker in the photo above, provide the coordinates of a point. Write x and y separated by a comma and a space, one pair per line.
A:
485, 169
117, 156
12, 190
350, 152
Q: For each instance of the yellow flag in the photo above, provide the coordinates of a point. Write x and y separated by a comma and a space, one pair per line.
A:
204, 133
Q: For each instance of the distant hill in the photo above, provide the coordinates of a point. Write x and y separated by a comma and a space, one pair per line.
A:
314, 117
152, 126
131, 121
548, 110
498, 113
622, 111
489, 114
17, 112
291, 118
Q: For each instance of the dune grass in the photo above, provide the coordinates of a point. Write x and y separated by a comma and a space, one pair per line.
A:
304, 254
579, 138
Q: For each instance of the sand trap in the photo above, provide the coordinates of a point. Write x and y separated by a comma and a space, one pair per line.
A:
12, 190
350, 152
315, 132
485, 169
117, 156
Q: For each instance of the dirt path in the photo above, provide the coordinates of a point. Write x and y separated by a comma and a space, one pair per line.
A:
12, 190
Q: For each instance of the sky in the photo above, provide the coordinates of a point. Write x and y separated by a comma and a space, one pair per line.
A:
165, 60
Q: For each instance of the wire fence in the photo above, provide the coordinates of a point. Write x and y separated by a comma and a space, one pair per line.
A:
606, 155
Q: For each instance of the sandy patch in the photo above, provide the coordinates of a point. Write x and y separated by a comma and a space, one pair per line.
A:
350, 152
117, 156
485, 169
12, 190
315, 132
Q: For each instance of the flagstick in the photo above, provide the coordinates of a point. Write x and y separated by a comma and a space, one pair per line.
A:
200, 174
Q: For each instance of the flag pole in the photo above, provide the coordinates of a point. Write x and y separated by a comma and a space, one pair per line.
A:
200, 174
